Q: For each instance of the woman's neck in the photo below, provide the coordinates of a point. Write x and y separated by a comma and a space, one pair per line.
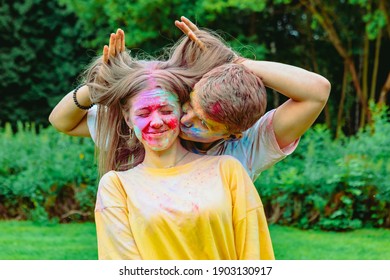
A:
175, 155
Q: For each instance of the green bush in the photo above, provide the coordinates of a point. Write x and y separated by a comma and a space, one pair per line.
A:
46, 175
331, 184
340, 184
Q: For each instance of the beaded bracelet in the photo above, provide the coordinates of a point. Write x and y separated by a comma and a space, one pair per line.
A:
77, 103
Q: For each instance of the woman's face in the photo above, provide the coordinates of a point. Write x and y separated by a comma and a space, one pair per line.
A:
155, 116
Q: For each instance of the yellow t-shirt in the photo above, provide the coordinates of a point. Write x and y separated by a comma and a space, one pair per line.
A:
208, 209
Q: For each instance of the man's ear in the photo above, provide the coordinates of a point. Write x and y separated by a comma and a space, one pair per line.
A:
235, 136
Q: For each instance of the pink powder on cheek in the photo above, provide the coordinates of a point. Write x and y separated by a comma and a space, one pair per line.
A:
172, 123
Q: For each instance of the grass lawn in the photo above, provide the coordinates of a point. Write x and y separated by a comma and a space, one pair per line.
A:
21, 240
363, 244
25, 240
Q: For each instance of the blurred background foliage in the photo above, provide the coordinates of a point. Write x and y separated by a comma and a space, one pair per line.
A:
46, 176
47, 43
329, 184
335, 180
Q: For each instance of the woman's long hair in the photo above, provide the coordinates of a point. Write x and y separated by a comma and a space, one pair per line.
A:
111, 86
199, 60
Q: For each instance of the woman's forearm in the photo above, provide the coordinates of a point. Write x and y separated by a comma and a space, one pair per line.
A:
68, 118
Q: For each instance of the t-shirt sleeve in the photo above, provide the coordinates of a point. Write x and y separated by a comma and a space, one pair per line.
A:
251, 233
91, 122
261, 148
114, 234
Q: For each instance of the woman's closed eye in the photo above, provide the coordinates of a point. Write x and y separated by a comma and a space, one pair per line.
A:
142, 113
167, 112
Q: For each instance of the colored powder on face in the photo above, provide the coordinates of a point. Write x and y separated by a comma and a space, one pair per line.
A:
161, 95
173, 123
156, 102
170, 97
137, 132
193, 131
162, 144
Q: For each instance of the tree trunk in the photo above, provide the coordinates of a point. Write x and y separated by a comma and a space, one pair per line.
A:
376, 64
340, 122
313, 56
253, 25
327, 24
384, 91
366, 53
384, 7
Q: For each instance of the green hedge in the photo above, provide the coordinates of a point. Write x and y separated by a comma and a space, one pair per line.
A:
46, 175
333, 184
329, 184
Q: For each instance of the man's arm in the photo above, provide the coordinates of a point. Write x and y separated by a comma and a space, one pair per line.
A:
66, 116
308, 93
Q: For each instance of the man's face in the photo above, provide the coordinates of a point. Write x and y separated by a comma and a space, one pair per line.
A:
196, 126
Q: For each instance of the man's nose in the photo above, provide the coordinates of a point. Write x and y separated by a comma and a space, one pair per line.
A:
186, 119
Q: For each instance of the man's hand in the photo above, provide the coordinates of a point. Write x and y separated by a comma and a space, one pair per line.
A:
188, 28
116, 45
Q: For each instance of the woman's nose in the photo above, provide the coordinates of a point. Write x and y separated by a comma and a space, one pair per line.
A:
156, 121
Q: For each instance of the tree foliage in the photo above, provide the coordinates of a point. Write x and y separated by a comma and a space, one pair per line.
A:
40, 58
46, 43
332, 184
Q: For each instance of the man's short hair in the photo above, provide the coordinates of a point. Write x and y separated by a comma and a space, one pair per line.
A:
233, 95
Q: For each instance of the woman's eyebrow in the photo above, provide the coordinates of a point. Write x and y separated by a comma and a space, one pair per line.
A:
142, 108
150, 106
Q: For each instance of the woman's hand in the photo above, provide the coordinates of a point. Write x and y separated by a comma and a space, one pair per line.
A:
66, 117
188, 28
116, 45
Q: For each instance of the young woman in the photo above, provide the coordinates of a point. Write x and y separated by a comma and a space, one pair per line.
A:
163, 202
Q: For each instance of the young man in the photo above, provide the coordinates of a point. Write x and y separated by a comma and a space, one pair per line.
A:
205, 126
